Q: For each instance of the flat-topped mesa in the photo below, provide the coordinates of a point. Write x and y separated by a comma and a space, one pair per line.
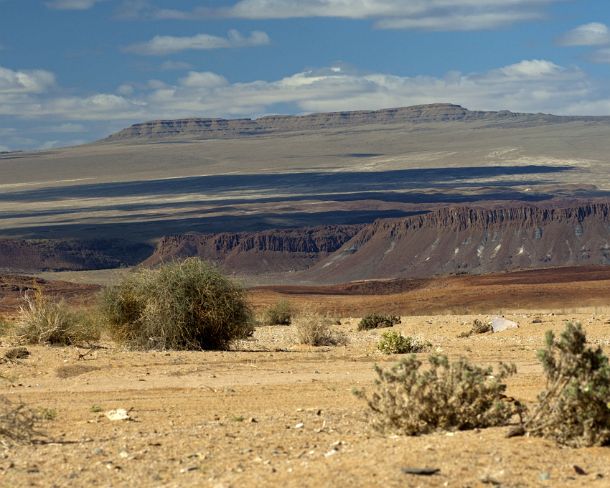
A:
217, 128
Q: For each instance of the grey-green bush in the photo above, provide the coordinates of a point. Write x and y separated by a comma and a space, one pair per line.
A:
574, 408
377, 321
393, 342
411, 400
279, 314
180, 305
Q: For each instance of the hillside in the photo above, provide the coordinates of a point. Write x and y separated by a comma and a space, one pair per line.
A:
448, 240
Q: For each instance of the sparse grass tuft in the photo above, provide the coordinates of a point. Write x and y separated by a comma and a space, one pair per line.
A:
19, 424
446, 396
181, 305
478, 327
574, 408
378, 321
43, 320
316, 330
279, 314
393, 342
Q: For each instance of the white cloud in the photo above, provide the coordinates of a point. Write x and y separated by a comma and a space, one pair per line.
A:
26, 81
593, 34
161, 45
450, 15
72, 4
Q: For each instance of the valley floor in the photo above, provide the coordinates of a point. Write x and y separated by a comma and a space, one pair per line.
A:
273, 413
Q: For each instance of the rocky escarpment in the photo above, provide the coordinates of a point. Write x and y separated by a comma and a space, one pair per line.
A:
33, 255
257, 252
474, 240
210, 128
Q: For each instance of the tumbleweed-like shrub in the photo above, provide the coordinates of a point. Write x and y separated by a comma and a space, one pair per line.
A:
411, 400
279, 314
478, 327
377, 321
180, 305
19, 424
574, 408
393, 342
317, 330
43, 320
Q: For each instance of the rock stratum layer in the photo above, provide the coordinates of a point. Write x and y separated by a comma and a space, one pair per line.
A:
451, 240
33, 255
210, 128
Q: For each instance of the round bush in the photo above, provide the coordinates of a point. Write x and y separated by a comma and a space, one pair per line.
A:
181, 305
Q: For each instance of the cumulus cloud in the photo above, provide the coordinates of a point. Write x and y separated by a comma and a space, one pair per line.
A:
162, 45
388, 14
593, 34
72, 4
601, 56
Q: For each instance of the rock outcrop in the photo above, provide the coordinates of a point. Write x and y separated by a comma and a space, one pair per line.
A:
209, 128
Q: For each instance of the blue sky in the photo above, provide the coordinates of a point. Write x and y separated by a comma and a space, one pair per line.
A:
72, 71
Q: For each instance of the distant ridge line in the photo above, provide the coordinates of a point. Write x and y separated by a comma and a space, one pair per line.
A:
213, 128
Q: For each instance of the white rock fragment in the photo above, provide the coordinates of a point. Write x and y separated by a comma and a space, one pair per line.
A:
499, 324
118, 414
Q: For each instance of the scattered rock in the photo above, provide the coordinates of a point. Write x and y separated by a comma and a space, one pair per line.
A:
421, 471
544, 476
118, 414
499, 324
300, 425
516, 431
579, 470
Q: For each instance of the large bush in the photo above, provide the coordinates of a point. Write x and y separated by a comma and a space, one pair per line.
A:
43, 320
316, 330
411, 400
392, 342
279, 314
181, 305
574, 408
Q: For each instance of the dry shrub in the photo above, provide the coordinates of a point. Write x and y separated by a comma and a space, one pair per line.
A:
478, 327
393, 342
446, 396
19, 423
574, 408
316, 330
43, 320
279, 314
181, 305
377, 321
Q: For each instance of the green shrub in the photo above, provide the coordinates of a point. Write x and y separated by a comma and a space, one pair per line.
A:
393, 342
181, 305
446, 396
279, 314
377, 321
43, 320
574, 408
316, 330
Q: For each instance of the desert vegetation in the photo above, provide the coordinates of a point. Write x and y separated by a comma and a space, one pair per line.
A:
478, 327
19, 424
377, 321
279, 313
181, 305
44, 320
317, 330
393, 342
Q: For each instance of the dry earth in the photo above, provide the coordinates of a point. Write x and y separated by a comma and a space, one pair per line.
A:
272, 413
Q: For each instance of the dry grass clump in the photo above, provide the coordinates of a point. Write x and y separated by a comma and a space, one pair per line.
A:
279, 314
316, 330
19, 424
393, 342
43, 320
377, 321
574, 408
5, 326
446, 396
478, 327
181, 305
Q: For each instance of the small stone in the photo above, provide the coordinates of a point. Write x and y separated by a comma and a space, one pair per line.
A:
544, 476
421, 471
188, 469
118, 414
579, 470
300, 425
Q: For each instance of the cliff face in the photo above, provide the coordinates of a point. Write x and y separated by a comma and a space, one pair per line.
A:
257, 252
198, 128
473, 240
27, 256
448, 240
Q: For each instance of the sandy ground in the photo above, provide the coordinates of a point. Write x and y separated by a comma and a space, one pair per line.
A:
273, 413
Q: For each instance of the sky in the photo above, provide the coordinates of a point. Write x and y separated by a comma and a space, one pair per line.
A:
74, 71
